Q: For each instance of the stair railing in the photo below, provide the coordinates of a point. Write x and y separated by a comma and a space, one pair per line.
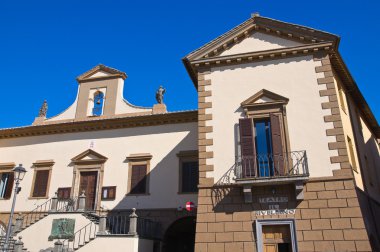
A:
81, 237
35, 215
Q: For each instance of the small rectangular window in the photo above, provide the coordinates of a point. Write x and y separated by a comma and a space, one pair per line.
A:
341, 97
138, 179
6, 184
64, 193
108, 192
41, 181
189, 176
352, 154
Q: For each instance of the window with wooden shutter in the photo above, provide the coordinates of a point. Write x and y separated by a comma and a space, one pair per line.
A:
277, 147
64, 193
6, 185
108, 192
41, 182
189, 176
247, 147
138, 179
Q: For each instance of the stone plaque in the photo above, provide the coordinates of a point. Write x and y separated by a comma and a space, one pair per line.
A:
62, 229
273, 199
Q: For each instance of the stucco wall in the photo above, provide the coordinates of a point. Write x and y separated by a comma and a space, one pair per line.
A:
294, 78
36, 236
162, 142
348, 115
366, 149
122, 243
259, 42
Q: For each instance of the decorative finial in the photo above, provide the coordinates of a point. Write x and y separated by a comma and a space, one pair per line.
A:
43, 109
160, 94
256, 14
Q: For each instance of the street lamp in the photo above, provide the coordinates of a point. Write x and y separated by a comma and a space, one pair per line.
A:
19, 173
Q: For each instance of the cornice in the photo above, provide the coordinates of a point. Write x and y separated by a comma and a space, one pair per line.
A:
242, 58
100, 78
44, 163
102, 124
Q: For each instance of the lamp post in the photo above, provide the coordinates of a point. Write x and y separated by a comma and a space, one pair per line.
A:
19, 173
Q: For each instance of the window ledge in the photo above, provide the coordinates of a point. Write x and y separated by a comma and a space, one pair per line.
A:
137, 194
187, 193
32, 198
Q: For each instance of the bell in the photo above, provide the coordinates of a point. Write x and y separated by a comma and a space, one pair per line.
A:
98, 101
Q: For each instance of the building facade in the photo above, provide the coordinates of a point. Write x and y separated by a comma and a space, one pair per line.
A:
281, 155
286, 143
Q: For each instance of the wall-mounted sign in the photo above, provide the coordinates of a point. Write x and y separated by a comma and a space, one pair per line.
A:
190, 206
275, 212
273, 199
62, 229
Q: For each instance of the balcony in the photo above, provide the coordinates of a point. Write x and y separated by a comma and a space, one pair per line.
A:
271, 169
268, 169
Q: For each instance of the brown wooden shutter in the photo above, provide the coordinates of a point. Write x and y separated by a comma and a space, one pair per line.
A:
190, 177
41, 183
9, 188
278, 152
247, 147
64, 193
138, 179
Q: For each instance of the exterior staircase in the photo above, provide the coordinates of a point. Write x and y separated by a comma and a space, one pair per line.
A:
11, 243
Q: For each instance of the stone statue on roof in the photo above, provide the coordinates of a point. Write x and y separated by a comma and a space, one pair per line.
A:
43, 109
160, 95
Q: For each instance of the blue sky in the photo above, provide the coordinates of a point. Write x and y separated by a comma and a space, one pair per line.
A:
45, 45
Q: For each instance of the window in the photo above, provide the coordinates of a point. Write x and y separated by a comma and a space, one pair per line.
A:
41, 178
359, 121
276, 236
341, 97
352, 154
262, 146
108, 192
190, 178
188, 171
138, 178
64, 193
98, 104
41, 181
6, 184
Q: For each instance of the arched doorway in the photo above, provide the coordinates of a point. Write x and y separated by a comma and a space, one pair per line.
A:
180, 236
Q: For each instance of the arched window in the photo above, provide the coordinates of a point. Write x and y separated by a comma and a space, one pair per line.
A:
97, 110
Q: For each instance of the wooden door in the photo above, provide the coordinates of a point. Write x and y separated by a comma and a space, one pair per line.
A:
277, 238
88, 184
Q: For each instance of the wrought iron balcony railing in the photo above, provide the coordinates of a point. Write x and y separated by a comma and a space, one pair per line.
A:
264, 166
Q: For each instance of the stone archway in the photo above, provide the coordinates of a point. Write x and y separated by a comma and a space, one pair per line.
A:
180, 235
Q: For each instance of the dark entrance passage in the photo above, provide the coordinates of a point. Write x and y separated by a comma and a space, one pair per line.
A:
180, 236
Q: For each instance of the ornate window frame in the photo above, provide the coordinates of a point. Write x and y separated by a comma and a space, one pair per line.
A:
7, 168
138, 159
41, 165
260, 110
96, 163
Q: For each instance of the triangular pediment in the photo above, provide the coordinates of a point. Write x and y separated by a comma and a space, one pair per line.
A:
264, 97
89, 156
259, 41
260, 34
101, 71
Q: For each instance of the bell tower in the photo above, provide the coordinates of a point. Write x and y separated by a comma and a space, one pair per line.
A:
98, 92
